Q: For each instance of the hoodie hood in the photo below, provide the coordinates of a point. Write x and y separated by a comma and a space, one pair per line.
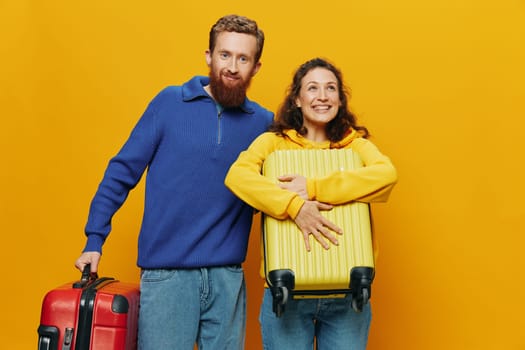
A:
300, 140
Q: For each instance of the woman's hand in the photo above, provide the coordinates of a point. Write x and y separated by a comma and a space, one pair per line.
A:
294, 183
311, 222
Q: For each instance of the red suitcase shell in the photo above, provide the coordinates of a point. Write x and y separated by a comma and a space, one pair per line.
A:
93, 313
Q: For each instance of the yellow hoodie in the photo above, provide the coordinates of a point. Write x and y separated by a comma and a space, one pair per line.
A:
371, 183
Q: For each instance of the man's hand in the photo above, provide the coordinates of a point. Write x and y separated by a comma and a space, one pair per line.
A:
310, 221
88, 258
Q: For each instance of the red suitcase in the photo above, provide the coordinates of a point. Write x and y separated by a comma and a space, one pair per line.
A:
92, 313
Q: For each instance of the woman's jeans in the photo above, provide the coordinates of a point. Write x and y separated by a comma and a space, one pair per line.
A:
332, 321
181, 307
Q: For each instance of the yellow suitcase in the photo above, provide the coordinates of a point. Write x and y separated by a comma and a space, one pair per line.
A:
290, 270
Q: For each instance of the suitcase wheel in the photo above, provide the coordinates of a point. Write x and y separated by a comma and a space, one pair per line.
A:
360, 300
280, 297
361, 286
282, 282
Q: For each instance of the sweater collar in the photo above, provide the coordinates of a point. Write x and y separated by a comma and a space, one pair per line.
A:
194, 88
297, 138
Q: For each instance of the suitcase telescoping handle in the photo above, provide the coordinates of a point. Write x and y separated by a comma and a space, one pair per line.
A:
87, 277
87, 274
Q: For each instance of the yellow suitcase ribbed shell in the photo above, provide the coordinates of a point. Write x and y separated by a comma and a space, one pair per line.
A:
284, 248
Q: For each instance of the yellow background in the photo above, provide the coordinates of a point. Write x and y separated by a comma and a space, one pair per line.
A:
439, 83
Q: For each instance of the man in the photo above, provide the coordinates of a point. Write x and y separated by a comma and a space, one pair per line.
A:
194, 233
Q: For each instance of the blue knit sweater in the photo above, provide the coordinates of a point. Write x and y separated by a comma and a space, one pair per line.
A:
187, 144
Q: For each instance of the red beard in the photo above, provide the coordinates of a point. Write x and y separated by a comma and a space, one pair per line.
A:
226, 94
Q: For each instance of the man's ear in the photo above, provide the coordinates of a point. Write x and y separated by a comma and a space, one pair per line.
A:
256, 68
208, 57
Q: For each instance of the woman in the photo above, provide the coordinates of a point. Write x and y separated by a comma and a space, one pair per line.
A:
314, 115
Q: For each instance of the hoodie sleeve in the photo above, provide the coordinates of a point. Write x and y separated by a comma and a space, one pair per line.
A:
371, 183
246, 181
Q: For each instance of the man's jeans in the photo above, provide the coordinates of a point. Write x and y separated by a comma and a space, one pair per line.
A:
333, 321
181, 307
